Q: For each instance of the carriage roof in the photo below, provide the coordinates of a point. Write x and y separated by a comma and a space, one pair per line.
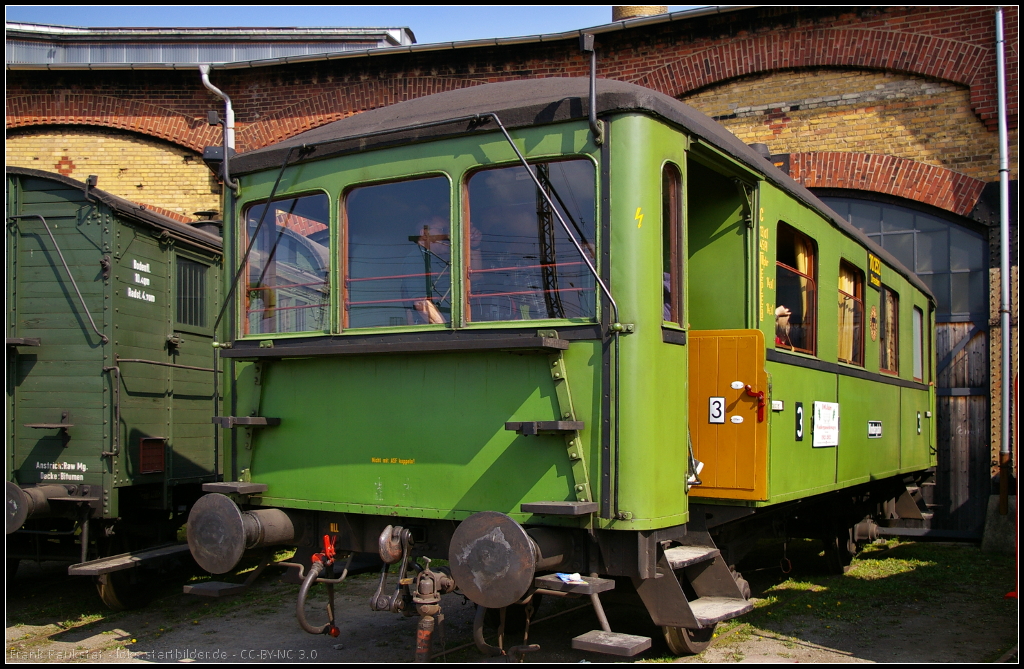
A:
131, 210
526, 103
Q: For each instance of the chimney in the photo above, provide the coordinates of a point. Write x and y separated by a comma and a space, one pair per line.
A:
635, 11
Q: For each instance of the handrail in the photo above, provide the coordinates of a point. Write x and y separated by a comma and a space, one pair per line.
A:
66, 269
165, 364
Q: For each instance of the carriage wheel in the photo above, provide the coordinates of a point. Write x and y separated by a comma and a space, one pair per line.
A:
683, 641
122, 590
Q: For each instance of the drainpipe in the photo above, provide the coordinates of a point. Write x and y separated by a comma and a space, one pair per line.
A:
229, 124
1004, 268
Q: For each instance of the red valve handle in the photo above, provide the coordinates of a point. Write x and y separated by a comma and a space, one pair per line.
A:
327, 556
760, 402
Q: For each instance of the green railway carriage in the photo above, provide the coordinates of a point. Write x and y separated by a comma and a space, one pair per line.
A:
109, 375
480, 326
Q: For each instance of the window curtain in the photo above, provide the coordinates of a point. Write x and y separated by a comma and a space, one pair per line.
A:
847, 311
804, 265
891, 342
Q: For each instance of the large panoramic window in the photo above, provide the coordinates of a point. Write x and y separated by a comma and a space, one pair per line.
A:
796, 296
287, 276
521, 263
398, 249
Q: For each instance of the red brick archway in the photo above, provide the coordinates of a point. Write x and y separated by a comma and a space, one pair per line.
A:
851, 48
341, 102
909, 179
61, 108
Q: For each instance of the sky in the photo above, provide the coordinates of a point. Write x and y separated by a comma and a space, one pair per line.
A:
429, 24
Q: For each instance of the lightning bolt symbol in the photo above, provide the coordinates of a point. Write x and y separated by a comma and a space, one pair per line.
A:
639, 218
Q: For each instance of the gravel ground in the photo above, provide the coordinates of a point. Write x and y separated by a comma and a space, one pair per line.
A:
55, 618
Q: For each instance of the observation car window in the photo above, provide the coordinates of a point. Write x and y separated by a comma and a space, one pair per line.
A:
796, 298
672, 270
399, 254
851, 314
918, 324
521, 263
888, 332
190, 300
288, 285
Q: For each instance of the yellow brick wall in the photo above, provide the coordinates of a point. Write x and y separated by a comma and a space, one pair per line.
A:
858, 111
134, 167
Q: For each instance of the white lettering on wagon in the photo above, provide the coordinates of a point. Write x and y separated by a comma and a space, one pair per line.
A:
140, 295
61, 471
141, 280
141, 266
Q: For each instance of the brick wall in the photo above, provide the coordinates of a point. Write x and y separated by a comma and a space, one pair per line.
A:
952, 45
881, 113
134, 167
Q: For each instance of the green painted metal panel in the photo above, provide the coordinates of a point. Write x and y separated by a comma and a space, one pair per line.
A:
412, 432
716, 250
861, 458
915, 423
795, 467
653, 398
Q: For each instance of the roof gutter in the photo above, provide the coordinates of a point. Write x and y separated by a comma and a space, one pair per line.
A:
411, 49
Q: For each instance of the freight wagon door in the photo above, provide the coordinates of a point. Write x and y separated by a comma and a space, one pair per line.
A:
60, 380
728, 429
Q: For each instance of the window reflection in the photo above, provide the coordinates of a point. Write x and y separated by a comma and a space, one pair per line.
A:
522, 264
950, 258
288, 288
399, 254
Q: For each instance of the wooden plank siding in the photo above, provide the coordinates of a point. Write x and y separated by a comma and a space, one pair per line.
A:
962, 481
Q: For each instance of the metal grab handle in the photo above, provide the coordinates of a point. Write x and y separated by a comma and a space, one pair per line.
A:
761, 401
66, 269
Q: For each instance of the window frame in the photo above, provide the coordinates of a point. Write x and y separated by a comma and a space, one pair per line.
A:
813, 307
342, 254
671, 235
918, 323
209, 294
858, 344
465, 232
242, 292
882, 330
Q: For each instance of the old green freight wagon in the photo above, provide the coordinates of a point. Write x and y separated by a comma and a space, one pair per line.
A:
110, 384
483, 327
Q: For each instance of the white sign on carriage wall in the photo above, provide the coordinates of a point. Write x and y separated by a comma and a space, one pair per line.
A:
826, 424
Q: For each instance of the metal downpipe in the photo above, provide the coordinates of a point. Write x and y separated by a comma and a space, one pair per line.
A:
1004, 268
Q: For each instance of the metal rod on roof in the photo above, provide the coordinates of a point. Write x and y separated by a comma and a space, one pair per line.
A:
1004, 268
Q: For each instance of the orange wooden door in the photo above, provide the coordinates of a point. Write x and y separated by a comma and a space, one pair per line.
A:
727, 435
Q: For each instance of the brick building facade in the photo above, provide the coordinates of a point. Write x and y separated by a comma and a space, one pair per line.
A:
898, 103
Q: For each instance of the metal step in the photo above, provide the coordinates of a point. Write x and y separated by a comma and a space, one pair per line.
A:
593, 584
530, 428
126, 560
683, 556
559, 508
240, 487
214, 589
711, 610
612, 643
